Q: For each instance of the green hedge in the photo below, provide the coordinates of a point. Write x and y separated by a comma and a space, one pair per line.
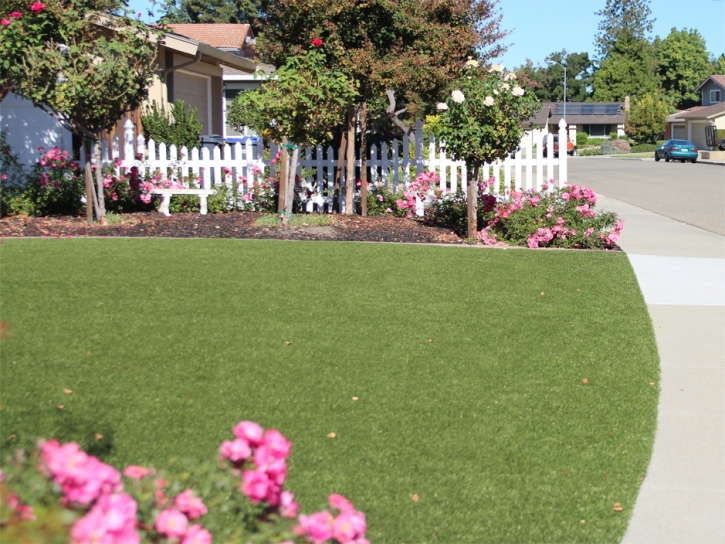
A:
589, 152
642, 148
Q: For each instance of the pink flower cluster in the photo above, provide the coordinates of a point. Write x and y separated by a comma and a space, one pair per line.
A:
158, 183
613, 236
348, 527
22, 512
81, 477
269, 452
111, 520
417, 190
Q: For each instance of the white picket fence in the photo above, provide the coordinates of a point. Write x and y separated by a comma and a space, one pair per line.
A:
393, 166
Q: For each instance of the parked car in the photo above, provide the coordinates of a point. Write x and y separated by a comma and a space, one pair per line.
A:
684, 150
570, 146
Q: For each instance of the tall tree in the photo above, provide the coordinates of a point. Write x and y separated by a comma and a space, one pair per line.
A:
213, 11
407, 50
717, 66
81, 61
547, 82
628, 70
683, 63
622, 17
646, 118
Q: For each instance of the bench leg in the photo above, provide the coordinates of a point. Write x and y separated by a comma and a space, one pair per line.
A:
202, 204
164, 207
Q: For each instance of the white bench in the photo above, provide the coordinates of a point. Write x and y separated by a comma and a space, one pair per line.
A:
166, 195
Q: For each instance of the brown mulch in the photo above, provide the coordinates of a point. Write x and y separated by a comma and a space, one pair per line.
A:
232, 225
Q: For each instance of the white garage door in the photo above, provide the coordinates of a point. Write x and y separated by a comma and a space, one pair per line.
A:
698, 135
194, 91
679, 132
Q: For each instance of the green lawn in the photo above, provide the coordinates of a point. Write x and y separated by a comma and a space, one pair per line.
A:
167, 343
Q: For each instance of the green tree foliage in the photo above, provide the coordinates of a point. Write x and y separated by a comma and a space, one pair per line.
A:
82, 61
213, 11
547, 81
629, 70
717, 66
683, 63
622, 18
180, 127
415, 47
646, 118
302, 102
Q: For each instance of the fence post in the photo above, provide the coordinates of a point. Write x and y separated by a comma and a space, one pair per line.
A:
419, 169
128, 141
563, 141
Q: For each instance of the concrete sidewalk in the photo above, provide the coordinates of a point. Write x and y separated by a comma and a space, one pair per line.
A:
681, 271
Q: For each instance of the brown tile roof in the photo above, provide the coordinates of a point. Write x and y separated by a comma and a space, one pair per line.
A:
225, 36
699, 112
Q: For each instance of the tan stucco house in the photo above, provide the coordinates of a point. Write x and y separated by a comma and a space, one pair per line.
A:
690, 124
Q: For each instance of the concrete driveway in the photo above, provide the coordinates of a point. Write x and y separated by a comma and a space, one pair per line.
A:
691, 193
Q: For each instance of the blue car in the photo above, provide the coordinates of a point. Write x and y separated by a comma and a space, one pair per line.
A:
684, 150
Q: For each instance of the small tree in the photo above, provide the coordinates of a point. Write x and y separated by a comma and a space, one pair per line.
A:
481, 122
81, 62
302, 102
646, 119
181, 126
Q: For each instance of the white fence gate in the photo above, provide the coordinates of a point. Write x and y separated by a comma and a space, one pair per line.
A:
390, 166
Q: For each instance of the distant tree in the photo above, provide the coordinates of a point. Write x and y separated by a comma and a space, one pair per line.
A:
717, 66
619, 18
213, 11
628, 70
646, 119
683, 63
547, 82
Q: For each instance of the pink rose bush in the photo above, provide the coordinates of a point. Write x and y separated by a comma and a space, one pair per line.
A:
86, 501
417, 193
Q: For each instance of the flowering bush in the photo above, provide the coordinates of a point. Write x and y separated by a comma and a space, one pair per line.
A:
123, 193
55, 185
61, 494
561, 218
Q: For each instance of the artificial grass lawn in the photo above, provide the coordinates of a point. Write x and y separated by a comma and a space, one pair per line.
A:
167, 343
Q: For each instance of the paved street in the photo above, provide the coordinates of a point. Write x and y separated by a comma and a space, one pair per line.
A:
691, 193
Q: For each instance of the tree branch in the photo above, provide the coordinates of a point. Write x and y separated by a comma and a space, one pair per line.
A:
393, 115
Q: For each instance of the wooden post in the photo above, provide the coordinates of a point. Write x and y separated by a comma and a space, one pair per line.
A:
350, 158
338, 173
89, 185
364, 157
471, 200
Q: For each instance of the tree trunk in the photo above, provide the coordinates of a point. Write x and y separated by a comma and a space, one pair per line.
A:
472, 201
364, 155
289, 199
101, 206
338, 173
350, 166
90, 193
281, 173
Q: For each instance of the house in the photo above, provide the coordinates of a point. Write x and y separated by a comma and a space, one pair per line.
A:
237, 39
597, 119
187, 69
691, 124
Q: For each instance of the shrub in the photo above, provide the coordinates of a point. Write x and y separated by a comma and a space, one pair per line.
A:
55, 185
590, 152
12, 181
382, 201
451, 209
582, 138
614, 135
614, 147
560, 218
596, 141
646, 119
180, 127
641, 148
59, 491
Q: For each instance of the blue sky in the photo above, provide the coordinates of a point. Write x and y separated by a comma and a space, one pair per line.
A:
540, 27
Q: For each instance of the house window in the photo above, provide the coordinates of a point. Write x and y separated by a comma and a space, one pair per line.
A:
715, 97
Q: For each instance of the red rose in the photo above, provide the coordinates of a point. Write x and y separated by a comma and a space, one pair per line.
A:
317, 42
15, 15
37, 7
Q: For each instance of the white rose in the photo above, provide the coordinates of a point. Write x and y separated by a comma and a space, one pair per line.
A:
518, 91
488, 101
505, 86
510, 76
440, 106
471, 63
496, 68
458, 96
495, 91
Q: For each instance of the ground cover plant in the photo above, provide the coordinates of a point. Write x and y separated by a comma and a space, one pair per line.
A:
452, 394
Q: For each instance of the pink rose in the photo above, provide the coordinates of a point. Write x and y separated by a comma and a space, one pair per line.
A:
318, 526
348, 526
136, 472
338, 502
4, 177
249, 431
287, 505
37, 7
192, 506
15, 15
278, 445
235, 450
196, 534
6, 22
112, 519
255, 485
171, 523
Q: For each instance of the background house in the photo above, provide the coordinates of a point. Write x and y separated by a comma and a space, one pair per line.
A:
237, 39
690, 124
187, 69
